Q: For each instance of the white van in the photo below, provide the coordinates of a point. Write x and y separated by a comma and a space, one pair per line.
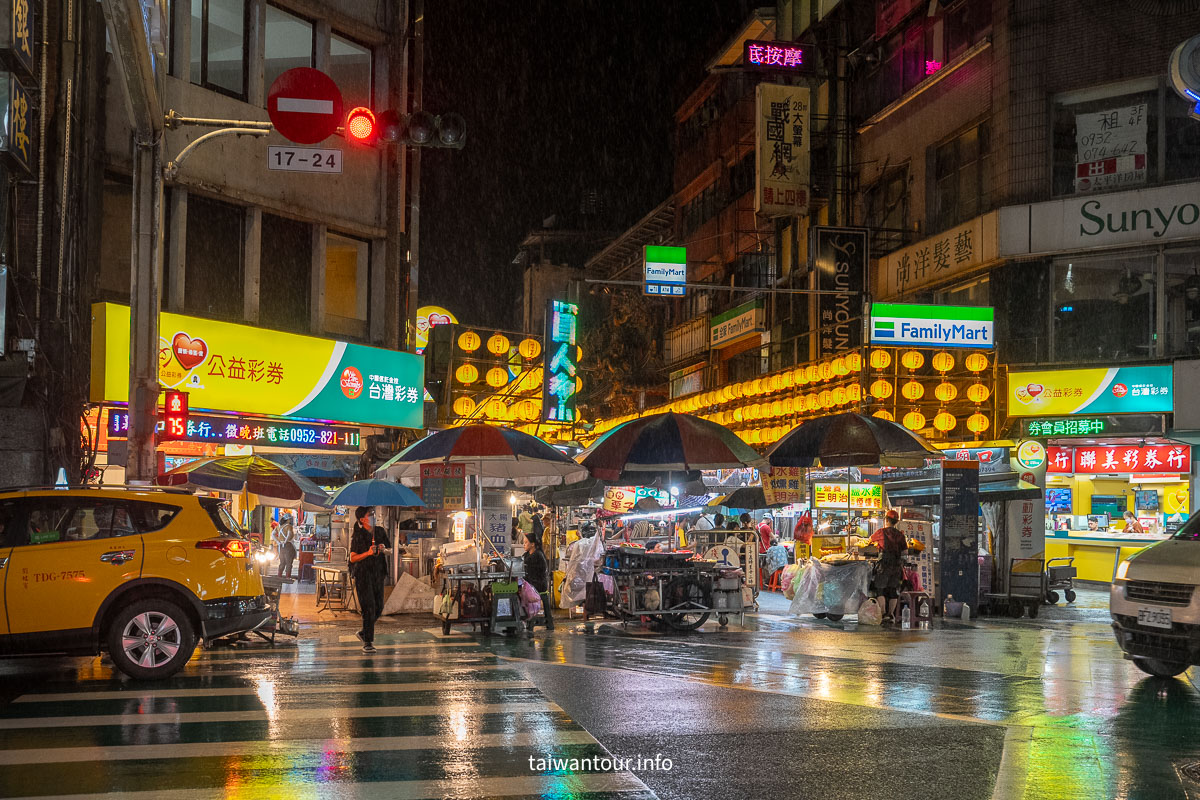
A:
1155, 606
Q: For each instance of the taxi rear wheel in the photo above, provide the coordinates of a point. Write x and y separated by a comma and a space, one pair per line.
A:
151, 639
1160, 669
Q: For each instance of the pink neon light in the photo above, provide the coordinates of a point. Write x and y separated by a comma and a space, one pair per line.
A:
932, 67
769, 55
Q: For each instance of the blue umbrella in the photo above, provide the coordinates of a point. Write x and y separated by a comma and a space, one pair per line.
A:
376, 492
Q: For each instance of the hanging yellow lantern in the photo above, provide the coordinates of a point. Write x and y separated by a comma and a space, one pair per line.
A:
976, 362
529, 348
854, 362
914, 420
777, 408
495, 409
799, 376
880, 359
464, 406
839, 367
755, 436
497, 377
789, 380
528, 410
467, 374
776, 383
945, 391
978, 393
727, 393
498, 344
853, 393
789, 405
945, 421
812, 401
943, 362
739, 415
978, 423
812, 373
881, 389
912, 359
469, 341
913, 390
839, 395
826, 398
826, 371
881, 414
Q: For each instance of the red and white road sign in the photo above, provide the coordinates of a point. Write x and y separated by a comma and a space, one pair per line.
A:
305, 105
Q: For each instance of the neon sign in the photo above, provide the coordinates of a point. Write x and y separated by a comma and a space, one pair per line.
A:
561, 383
212, 429
776, 56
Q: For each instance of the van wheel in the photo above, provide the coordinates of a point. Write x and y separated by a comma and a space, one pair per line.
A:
151, 639
1160, 669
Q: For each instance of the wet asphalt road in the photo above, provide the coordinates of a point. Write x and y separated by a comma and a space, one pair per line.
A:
779, 708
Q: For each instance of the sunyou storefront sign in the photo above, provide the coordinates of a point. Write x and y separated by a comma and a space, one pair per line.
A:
933, 326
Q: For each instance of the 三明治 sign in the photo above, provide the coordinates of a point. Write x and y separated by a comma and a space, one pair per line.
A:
932, 326
1116, 390
249, 370
666, 270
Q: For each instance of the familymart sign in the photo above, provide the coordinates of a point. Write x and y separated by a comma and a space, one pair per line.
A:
666, 270
904, 324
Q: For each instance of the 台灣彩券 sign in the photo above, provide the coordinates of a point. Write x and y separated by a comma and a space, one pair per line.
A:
934, 326
239, 368
1115, 390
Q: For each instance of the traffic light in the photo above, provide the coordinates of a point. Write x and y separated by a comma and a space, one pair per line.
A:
175, 416
418, 129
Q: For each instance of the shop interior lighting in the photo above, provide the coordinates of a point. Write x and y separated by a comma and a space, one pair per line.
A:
665, 513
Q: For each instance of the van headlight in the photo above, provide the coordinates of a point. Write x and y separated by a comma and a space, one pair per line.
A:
1122, 569
264, 556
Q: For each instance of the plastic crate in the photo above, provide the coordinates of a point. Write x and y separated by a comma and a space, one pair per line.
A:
729, 584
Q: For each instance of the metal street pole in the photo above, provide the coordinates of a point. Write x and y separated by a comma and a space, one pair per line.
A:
414, 232
135, 67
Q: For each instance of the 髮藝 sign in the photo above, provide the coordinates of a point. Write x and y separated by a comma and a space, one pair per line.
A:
933, 260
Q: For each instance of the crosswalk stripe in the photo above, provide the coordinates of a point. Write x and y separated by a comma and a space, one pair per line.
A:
304, 659
259, 652
290, 748
518, 786
260, 715
134, 694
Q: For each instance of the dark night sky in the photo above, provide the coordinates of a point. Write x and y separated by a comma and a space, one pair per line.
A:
559, 96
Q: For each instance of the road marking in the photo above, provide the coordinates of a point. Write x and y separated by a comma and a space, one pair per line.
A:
359, 688
470, 787
441, 668
434, 647
301, 105
285, 714
298, 748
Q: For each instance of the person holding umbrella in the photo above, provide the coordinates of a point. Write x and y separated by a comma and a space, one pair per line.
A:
368, 565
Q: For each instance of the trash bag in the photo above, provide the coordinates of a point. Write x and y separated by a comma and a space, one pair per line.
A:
585, 554
787, 581
869, 613
531, 601
831, 588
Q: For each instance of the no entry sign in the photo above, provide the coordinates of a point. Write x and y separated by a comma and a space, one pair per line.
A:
305, 105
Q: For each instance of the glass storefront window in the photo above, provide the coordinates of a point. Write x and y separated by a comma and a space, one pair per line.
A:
1104, 309
351, 69
289, 44
1182, 302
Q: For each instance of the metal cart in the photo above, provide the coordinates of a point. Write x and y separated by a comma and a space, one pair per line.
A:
1060, 576
1026, 588
680, 592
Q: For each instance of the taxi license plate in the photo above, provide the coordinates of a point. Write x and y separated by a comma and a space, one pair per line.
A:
1154, 617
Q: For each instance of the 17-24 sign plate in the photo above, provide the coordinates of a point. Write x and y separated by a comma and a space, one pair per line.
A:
304, 159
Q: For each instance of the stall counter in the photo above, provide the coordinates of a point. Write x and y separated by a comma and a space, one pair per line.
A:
1096, 554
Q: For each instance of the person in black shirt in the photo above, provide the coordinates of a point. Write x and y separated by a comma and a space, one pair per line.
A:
536, 569
368, 566
889, 572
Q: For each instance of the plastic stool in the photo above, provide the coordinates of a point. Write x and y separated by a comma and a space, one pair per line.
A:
773, 581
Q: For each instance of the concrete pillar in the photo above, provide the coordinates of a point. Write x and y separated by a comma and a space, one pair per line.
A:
251, 259
181, 42
377, 309
321, 34
316, 303
177, 249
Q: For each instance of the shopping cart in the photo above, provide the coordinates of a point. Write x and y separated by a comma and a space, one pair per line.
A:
1060, 576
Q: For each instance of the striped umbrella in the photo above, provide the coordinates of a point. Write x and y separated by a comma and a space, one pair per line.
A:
663, 446
498, 455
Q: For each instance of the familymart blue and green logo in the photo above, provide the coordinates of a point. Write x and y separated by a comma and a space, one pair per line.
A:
933, 326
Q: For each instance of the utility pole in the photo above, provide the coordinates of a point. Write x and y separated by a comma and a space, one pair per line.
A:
136, 69
414, 231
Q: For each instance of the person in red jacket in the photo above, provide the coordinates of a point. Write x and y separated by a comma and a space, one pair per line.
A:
765, 534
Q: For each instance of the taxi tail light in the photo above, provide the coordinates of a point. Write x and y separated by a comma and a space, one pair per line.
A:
232, 548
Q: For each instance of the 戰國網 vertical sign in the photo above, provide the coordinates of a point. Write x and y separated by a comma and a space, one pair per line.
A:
782, 150
666, 271
560, 383
840, 260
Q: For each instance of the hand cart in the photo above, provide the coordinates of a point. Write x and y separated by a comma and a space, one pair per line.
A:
1060, 575
679, 591
289, 626
1026, 588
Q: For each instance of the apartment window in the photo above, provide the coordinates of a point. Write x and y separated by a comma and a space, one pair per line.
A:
1109, 142
115, 239
347, 275
741, 176
351, 67
1104, 308
886, 207
686, 340
703, 207
962, 178
218, 45
289, 43
284, 274
213, 275
754, 270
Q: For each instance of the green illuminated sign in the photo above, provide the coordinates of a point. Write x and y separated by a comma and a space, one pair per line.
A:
1076, 426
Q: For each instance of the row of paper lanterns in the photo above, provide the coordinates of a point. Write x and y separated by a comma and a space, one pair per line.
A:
823, 371
944, 421
498, 344
496, 409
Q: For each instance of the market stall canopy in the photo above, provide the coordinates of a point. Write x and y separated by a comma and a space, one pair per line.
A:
495, 455
666, 447
851, 440
575, 494
275, 485
746, 497
376, 492
1003, 486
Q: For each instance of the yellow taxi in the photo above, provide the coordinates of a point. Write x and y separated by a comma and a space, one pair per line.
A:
142, 574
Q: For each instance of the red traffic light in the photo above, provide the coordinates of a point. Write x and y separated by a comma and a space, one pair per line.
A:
175, 416
360, 125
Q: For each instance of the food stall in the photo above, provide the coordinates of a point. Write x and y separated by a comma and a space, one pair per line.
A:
678, 588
